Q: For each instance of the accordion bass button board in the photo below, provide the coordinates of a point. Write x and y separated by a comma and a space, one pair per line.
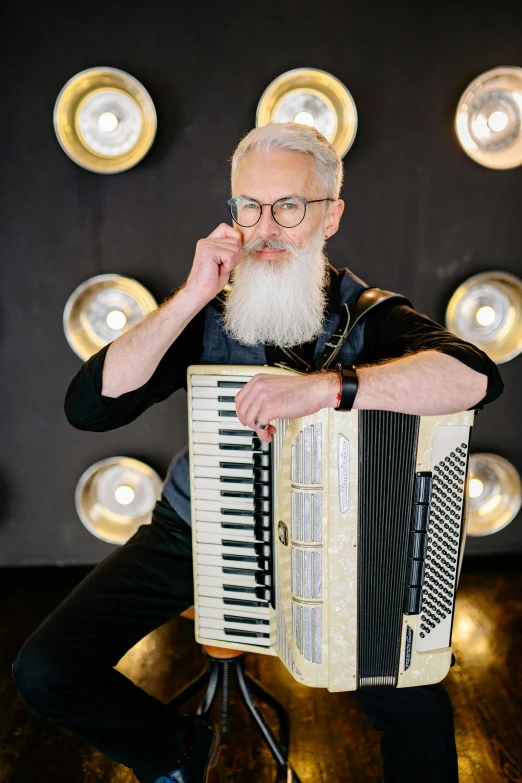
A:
336, 547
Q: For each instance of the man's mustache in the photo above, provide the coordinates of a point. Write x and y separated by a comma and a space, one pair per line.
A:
267, 244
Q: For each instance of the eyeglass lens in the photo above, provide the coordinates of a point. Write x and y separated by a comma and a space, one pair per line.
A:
287, 211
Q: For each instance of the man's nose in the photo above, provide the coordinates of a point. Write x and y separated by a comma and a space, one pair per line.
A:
267, 226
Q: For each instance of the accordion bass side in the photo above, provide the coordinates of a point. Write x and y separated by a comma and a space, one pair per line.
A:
336, 547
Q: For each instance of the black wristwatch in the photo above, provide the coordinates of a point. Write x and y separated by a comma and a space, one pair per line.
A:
350, 384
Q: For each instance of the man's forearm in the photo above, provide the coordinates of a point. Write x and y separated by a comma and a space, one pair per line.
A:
427, 383
132, 358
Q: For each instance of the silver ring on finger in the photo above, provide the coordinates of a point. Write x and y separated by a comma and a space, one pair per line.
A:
261, 426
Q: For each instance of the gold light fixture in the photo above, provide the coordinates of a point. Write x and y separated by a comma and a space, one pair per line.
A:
486, 310
489, 118
101, 309
312, 97
105, 120
115, 496
494, 494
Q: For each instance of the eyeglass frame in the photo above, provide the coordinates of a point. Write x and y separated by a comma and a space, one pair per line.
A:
304, 201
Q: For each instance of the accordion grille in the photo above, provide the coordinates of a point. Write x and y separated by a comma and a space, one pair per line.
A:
387, 453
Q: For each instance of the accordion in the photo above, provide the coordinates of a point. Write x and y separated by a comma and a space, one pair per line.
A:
337, 546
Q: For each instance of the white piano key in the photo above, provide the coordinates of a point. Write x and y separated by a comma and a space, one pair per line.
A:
215, 460
204, 514
219, 561
215, 437
203, 471
202, 414
225, 502
211, 426
214, 533
212, 622
213, 380
208, 548
213, 392
217, 635
205, 404
226, 455
218, 614
203, 483
204, 505
213, 570
218, 603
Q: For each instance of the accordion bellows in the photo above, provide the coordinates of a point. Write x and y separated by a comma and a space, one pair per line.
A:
336, 547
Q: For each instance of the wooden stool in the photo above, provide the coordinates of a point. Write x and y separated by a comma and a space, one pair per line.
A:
216, 676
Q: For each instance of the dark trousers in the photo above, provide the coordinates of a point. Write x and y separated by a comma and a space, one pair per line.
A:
65, 672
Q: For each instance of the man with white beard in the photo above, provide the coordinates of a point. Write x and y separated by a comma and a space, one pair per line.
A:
283, 304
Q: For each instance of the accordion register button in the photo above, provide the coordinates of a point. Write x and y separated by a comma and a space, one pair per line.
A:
416, 573
413, 600
419, 544
423, 487
421, 517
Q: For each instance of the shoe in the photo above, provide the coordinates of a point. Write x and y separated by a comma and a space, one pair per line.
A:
203, 753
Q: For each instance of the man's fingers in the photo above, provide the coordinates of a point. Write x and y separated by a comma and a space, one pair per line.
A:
224, 231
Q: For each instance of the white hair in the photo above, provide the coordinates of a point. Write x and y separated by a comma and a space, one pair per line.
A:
300, 138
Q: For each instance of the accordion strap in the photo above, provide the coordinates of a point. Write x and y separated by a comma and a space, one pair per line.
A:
368, 299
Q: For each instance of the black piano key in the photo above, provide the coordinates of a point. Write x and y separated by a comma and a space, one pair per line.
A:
229, 618
239, 571
263, 578
261, 460
236, 480
229, 414
244, 602
241, 433
236, 512
261, 476
237, 465
227, 493
232, 526
240, 558
262, 506
241, 589
250, 634
262, 521
242, 544
226, 399
263, 550
263, 592
231, 384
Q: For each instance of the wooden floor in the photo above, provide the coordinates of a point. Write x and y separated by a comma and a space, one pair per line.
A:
331, 737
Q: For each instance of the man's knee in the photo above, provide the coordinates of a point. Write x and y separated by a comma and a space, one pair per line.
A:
39, 678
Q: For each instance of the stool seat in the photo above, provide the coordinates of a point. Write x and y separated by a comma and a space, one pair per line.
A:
216, 676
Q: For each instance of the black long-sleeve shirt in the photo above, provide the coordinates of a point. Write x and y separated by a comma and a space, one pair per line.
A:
391, 330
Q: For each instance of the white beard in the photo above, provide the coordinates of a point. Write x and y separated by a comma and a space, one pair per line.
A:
278, 302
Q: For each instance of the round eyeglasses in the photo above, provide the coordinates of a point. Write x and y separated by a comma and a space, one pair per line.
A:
287, 212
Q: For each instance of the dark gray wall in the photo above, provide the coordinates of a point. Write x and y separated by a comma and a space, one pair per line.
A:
420, 216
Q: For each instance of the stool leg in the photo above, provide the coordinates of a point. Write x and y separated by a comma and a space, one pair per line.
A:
274, 746
282, 715
210, 695
190, 689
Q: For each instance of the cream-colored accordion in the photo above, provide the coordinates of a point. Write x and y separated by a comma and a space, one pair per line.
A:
336, 547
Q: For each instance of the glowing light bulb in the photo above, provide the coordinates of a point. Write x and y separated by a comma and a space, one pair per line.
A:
497, 121
116, 319
485, 315
108, 122
304, 117
475, 488
124, 494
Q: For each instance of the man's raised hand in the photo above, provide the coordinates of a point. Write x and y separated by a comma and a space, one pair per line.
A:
215, 258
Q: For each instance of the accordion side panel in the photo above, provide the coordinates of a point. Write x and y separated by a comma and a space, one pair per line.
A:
420, 665
343, 549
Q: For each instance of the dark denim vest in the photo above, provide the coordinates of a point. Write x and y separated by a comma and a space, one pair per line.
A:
219, 348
